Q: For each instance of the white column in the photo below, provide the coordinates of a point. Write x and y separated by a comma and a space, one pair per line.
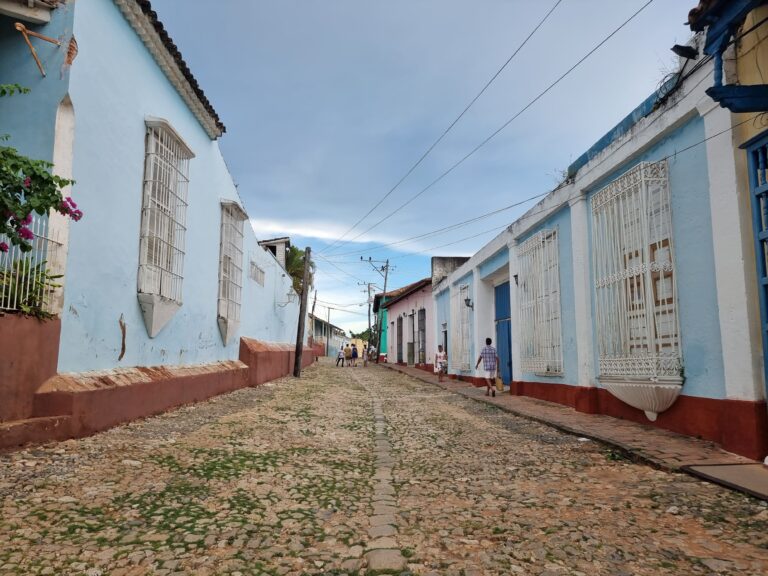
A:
582, 291
517, 373
735, 274
484, 307
58, 225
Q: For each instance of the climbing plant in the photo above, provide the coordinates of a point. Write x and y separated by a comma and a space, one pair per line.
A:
27, 186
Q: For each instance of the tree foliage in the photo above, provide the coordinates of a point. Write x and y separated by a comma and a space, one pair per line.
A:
294, 265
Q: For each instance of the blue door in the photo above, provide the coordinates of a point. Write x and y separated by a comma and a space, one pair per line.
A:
758, 178
503, 331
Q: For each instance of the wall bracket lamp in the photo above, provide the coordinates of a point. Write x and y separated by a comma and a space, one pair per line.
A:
469, 304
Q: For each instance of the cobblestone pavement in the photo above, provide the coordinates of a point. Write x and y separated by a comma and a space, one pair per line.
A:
351, 469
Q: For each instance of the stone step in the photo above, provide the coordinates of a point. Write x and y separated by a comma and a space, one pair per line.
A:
34, 431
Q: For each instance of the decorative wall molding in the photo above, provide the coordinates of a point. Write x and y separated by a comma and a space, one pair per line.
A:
145, 28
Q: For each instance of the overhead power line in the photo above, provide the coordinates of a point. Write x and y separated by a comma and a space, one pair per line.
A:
504, 125
445, 228
559, 205
447, 130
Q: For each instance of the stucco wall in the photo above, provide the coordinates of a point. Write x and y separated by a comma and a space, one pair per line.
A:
115, 83
30, 118
694, 257
415, 301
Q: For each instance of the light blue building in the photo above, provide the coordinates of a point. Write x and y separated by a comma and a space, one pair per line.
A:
630, 289
164, 268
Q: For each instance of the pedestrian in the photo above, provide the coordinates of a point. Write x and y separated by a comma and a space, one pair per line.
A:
354, 355
364, 354
441, 363
490, 361
347, 356
340, 357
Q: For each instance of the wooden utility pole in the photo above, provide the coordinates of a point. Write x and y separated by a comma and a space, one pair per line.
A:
379, 315
328, 336
302, 315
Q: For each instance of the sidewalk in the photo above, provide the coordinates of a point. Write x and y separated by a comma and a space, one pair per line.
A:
661, 448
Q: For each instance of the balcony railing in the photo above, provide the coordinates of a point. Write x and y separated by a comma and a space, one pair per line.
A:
27, 284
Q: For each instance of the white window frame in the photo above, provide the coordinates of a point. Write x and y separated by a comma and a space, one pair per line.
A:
256, 273
231, 262
458, 359
634, 280
163, 212
539, 306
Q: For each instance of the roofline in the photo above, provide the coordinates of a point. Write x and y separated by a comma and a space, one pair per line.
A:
418, 285
153, 34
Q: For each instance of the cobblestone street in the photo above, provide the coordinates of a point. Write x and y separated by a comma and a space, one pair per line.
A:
353, 471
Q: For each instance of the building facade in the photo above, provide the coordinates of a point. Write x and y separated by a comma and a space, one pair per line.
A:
411, 315
164, 269
631, 289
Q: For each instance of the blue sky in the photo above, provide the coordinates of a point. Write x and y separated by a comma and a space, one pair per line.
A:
328, 104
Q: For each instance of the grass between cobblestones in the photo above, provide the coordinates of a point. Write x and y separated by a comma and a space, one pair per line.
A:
277, 481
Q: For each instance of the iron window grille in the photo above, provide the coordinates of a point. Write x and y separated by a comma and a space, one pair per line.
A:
636, 310
541, 350
256, 273
163, 213
422, 336
24, 282
230, 262
458, 359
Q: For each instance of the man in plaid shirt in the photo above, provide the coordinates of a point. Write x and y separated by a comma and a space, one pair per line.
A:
490, 366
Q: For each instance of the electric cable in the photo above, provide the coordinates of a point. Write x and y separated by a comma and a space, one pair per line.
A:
447, 130
504, 125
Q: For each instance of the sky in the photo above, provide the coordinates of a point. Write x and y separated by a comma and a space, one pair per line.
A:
328, 104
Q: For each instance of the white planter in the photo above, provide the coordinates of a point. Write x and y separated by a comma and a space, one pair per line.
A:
650, 397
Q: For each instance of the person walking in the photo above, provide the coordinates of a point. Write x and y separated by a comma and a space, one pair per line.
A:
354, 355
347, 356
340, 357
490, 361
441, 362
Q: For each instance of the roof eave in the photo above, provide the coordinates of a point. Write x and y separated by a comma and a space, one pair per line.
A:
143, 20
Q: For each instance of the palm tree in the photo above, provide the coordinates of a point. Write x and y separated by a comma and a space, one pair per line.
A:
294, 265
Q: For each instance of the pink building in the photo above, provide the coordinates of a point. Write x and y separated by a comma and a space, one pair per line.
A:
411, 338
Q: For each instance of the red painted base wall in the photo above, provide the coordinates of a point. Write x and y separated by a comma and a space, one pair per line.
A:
29, 354
738, 426
77, 405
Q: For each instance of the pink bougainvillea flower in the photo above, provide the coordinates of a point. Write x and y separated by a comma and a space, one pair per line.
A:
26, 233
71, 202
64, 208
27, 219
3, 247
76, 215
27, 182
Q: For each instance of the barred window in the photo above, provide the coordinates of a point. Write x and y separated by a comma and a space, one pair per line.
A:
256, 273
163, 212
230, 262
459, 359
541, 350
634, 277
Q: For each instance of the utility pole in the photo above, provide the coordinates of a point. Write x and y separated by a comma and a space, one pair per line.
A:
302, 315
383, 271
328, 336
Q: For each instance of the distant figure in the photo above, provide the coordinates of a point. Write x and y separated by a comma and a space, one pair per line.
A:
354, 355
340, 357
490, 369
441, 363
348, 356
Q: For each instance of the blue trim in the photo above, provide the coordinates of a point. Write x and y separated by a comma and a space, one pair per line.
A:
648, 106
756, 162
740, 99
